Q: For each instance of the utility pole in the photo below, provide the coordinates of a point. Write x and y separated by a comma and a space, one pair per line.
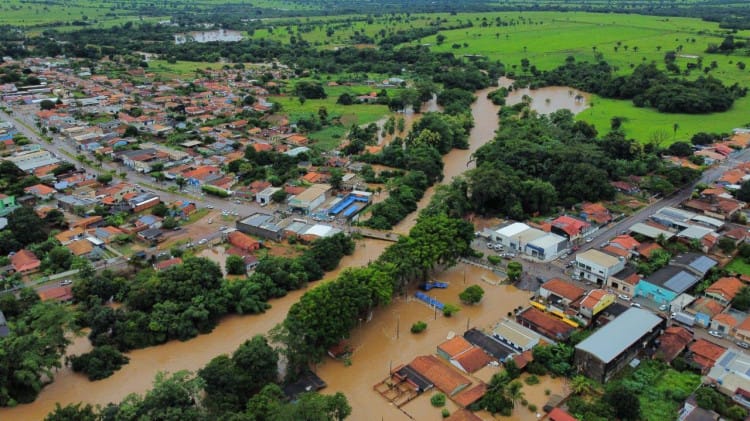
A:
398, 325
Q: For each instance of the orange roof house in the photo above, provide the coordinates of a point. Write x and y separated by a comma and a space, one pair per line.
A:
570, 227
646, 249
472, 360
595, 212
707, 306
724, 289
705, 353
62, 293
87, 222
625, 242
445, 378
40, 190
563, 289
80, 247
672, 342
468, 397
243, 241
453, 347
24, 261
168, 263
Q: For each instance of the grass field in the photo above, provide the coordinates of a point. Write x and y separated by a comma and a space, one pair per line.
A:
547, 38
180, 69
738, 265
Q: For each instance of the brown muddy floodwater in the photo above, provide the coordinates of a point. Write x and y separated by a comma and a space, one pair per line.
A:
138, 375
385, 342
548, 99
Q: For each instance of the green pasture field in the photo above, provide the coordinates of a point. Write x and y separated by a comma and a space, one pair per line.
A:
738, 265
179, 69
642, 123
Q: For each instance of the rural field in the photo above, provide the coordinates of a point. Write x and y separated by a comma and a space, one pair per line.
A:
547, 38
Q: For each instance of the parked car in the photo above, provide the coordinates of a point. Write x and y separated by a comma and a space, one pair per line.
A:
210, 207
489, 245
742, 344
623, 297
715, 333
202, 241
635, 305
589, 239
66, 282
663, 307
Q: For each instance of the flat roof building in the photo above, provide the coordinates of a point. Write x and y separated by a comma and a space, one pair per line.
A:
610, 348
261, 225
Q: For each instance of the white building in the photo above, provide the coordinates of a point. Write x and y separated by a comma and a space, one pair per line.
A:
597, 266
516, 235
264, 197
531, 241
310, 199
547, 247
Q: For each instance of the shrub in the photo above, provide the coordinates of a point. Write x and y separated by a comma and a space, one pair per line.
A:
547, 392
418, 327
450, 309
472, 294
532, 380
532, 408
446, 413
437, 400
524, 402
100, 363
495, 260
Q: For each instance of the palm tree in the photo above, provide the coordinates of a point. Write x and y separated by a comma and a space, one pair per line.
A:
579, 385
513, 392
180, 182
675, 126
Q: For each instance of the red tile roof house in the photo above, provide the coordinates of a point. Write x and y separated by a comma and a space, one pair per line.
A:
459, 352
705, 353
168, 263
243, 241
445, 378
724, 289
41, 191
571, 228
672, 342
24, 261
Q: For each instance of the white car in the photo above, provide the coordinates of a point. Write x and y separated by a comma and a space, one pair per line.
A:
589, 239
210, 207
624, 297
66, 282
202, 241
715, 334
635, 305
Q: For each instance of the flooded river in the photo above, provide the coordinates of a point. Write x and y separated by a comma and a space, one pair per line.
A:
138, 375
382, 342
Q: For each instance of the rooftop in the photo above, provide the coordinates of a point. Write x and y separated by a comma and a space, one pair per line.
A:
599, 258
455, 346
673, 278
619, 334
563, 289
445, 378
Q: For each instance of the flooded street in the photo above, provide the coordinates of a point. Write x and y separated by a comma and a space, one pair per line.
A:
381, 343
138, 375
386, 342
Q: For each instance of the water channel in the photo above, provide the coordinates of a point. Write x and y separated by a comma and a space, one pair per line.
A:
383, 342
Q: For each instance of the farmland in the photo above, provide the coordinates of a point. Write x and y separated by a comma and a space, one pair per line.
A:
547, 38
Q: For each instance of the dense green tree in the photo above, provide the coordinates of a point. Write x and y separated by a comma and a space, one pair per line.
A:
34, 347
624, 403
71, 412
472, 294
741, 301
235, 265
100, 363
514, 271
